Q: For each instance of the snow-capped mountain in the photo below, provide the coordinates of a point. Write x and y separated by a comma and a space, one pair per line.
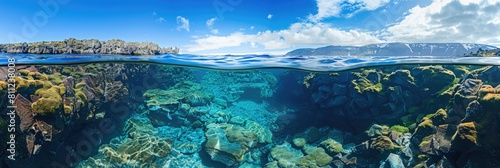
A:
395, 49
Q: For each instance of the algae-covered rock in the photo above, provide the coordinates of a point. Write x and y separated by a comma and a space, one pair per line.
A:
382, 144
227, 143
490, 97
331, 146
316, 157
50, 100
311, 134
142, 148
364, 85
284, 156
438, 117
137, 125
400, 77
299, 142
376, 130
169, 100
399, 129
466, 134
264, 135
433, 78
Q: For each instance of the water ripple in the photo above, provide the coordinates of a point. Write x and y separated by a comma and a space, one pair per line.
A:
310, 63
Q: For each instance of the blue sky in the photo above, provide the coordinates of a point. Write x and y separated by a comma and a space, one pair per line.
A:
252, 26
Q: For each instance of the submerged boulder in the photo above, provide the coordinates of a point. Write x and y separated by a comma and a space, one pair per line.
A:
227, 143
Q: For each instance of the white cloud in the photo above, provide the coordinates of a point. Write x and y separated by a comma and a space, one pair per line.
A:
326, 8
253, 44
269, 16
161, 20
154, 13
184, 23
334, 8
296, 35
210, 25
468, 21
211, 42
476, 21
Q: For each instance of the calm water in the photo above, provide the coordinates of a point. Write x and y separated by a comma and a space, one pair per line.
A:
250, 111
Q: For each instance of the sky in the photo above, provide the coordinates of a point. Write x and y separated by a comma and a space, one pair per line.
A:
252, 26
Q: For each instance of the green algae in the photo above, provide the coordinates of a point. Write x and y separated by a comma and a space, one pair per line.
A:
399, 129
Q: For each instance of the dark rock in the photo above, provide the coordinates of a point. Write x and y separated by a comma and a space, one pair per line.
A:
24, 111
442, 138
392, 161
92, 46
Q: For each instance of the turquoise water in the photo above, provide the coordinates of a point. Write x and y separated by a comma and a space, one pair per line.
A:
251, 111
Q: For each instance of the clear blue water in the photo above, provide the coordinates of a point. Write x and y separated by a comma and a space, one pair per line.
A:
251, 111
234, 62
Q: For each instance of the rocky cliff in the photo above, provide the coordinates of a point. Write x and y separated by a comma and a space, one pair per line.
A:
92, 46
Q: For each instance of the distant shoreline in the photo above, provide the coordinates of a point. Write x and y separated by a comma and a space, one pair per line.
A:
87, 46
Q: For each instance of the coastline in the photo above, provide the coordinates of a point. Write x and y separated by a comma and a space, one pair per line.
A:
87, 46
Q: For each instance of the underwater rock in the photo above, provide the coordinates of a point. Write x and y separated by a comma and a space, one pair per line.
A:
443, 137
331, 146
24, 111
432, 79
311, 134
392, 161
227, 143
382, 144
401, 78
466, 135
299, 142
141, 148
264, 135
376, 130
137, 125
170, 100
193, 161
284, 156
316, 157
190, 141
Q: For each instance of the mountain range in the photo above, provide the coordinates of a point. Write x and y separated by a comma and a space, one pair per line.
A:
395, 49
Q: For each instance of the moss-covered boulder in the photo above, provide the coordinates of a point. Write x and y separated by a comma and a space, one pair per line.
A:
299, 142
284, 156
382, 144
50, 100
402, 78
316, 157
376, 130
490, 97
141, 148
227, 143
48, 91
465, 137
331, 146
264, 135
399, 129
311, 134
433, 78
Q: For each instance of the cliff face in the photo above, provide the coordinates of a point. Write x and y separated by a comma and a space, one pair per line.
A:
92, 46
